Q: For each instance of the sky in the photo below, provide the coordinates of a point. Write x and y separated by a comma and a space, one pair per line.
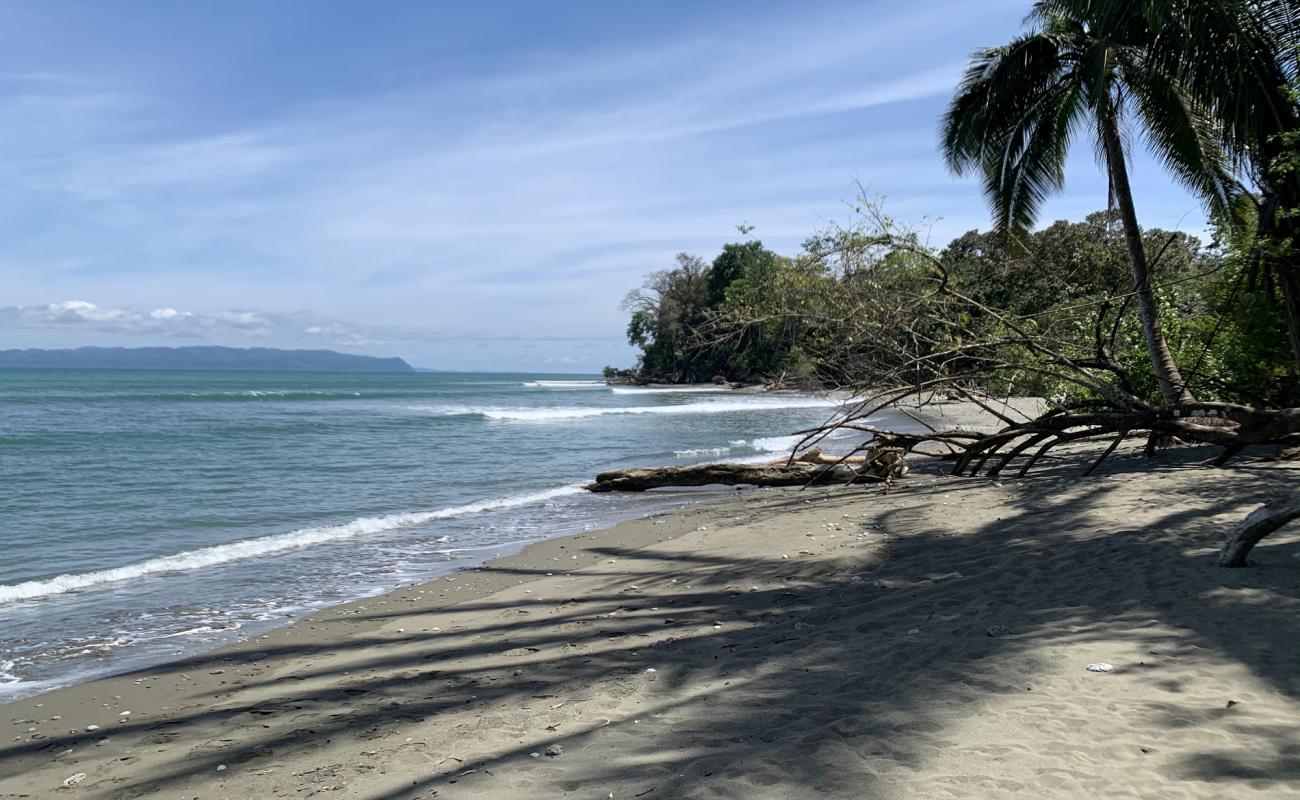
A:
465, 185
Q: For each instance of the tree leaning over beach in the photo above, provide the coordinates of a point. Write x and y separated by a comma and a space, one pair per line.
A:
1020, 106
1240, 60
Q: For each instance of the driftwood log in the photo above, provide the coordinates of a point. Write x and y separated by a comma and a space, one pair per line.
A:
775, 474
878, 465
1258, 524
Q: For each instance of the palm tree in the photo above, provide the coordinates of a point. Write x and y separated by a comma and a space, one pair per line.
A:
1241, 60
1088, 68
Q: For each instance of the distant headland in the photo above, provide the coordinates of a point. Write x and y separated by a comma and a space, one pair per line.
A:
211, 358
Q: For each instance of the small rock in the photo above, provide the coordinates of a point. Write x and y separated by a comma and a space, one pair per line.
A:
651, 669
92, 727
1101, 666
554, 750
1230, 704
221, 768
73, 780
996, 630
534, 755
125, 714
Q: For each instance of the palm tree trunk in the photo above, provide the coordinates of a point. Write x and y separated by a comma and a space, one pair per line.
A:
1286, 266
1276, 226
1172, 388
1289, 278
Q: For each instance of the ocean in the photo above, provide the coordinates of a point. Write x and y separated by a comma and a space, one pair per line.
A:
150, 515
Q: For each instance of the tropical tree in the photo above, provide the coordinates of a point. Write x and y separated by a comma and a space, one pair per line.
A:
666, 310
1080, 68
1241, 59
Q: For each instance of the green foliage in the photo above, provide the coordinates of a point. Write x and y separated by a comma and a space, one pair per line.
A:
1211, 86
733, 263
675, 319
853, 305
616, 375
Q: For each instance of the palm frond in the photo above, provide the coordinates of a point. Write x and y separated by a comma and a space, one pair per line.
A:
1281, 20
997, 86
1182, 134
1031, 165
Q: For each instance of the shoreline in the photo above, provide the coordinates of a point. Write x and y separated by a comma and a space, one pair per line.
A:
660, 504
775, 644
160, 650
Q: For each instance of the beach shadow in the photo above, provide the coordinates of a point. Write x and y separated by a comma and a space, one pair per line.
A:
758, 676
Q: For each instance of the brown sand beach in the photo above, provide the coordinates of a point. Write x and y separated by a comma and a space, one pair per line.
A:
928, 643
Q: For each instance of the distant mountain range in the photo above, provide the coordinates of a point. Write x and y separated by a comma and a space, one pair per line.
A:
218, 358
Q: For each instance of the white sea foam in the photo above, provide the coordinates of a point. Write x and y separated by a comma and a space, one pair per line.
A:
783, 445
565, 384
710, 406
776, 444
274, 393
669, 389
266, 545
232, 626
699, 407
13, 687
702, 451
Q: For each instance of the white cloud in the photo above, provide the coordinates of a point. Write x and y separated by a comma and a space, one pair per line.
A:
521, 198
258, 328
166, 321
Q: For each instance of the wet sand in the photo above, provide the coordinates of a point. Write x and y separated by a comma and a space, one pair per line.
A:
844, 643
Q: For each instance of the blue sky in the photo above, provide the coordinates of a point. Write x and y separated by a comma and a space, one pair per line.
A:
465, 185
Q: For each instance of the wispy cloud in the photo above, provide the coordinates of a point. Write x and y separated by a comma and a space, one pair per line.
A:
244, 327
518, 198
165, 321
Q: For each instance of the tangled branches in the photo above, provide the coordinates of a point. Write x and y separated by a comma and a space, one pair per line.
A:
895, 315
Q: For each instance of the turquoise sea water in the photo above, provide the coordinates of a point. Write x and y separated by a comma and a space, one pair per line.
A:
149, 515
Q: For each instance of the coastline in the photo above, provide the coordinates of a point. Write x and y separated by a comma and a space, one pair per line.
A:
297, 493
929, 642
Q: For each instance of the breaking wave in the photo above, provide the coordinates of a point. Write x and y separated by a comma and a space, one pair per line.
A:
670, 389
266, 545
698, 407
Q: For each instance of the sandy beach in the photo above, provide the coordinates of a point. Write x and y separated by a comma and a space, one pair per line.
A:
932, 642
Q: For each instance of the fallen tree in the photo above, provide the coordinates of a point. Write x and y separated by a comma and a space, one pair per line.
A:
1259, 523
640, 479
880, 464
898, 331
1229, 426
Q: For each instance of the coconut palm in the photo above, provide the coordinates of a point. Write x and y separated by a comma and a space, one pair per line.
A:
1088, 69
1239, 60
